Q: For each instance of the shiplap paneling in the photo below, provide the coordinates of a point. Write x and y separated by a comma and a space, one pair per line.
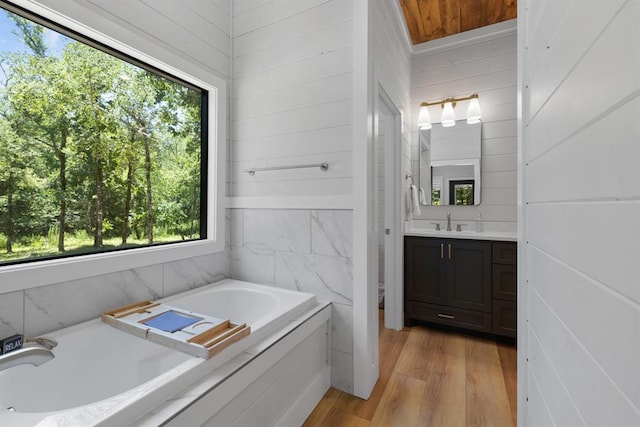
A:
251, 15
596, 396
306, 45
326, 14
170, 31
335, 62
391, 56
292, 97
612, 174
318, 92
489, 69
560, 22
392, 62
592, 330
581, 94
574, 103
311, 142
463, 54
540, 415
556, 396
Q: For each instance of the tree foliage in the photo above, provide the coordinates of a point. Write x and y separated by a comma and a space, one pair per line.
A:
93, 146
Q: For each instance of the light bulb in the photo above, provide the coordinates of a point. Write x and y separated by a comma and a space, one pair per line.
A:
473, 113
448, 116
424, 119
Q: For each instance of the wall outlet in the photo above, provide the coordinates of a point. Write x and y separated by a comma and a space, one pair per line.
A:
10, 344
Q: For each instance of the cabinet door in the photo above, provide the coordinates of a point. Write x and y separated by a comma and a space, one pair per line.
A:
469, 274
505, 282
424, 270
505, 318
505, 253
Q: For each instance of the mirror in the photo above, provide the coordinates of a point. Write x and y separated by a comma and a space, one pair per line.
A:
449, 164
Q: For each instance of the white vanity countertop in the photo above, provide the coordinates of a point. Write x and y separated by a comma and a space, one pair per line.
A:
485, 235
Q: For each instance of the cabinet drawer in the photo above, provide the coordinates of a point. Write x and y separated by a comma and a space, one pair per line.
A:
505, 281
505, 318
468, 319
505, 253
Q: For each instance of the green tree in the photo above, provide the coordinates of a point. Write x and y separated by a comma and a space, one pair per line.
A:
9, 168
31, 34
94, 76
40, 94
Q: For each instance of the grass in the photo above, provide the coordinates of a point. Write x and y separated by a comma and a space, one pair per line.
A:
75, 246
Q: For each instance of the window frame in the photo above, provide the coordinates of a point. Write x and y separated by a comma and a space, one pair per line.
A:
22, 276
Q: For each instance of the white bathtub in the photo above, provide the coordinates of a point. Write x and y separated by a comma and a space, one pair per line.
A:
103, 376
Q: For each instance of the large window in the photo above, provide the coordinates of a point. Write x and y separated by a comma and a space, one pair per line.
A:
98, 151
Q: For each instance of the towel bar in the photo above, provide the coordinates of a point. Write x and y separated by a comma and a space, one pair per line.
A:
323, 167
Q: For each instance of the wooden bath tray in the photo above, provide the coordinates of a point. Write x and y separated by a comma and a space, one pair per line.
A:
183, 330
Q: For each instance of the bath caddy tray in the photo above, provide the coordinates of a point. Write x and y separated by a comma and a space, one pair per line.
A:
183, 330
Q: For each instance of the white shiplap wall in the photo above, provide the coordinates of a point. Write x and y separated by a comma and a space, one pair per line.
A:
192, 36
392, 58
581, 102
489, 69
292, 97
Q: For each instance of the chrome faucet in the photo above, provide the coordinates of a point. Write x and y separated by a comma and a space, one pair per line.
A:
33, 354
448, 221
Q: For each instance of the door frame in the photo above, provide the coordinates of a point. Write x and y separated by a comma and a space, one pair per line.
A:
394, 292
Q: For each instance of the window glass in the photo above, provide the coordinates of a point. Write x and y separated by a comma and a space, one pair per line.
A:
98, 152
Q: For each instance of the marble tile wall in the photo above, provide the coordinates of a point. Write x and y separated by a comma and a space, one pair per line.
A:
41, 310
306, 250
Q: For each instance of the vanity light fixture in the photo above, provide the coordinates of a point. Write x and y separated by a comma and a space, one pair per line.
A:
473, 112
448, 115
424, 118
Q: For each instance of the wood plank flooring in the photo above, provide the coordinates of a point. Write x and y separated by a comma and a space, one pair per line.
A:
430, 377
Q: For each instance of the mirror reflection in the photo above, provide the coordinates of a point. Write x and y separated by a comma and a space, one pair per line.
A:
450, 164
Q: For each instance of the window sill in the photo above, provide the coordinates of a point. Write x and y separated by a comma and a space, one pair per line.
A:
32, 275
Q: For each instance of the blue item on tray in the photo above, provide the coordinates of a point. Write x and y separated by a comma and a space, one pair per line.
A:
170, 321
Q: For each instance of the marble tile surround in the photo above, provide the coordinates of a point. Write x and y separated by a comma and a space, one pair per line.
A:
11, 313
305, 250
41, 310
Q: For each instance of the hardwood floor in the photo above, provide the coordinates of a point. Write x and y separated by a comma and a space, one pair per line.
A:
430, 377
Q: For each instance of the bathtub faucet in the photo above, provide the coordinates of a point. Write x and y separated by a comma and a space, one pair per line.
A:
30, 354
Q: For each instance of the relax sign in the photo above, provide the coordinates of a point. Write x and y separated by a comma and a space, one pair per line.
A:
10, 344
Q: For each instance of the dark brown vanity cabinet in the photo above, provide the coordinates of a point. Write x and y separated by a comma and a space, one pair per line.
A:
464, 283
448, 281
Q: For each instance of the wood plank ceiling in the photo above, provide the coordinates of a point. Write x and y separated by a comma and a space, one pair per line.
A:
432, 19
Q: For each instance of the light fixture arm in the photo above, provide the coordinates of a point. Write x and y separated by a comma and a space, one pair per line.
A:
452, 100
